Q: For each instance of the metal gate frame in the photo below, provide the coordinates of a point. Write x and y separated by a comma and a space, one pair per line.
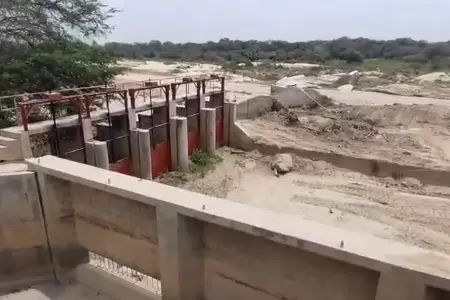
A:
194, 139
122, 164
220, 108
160, 151
27, 107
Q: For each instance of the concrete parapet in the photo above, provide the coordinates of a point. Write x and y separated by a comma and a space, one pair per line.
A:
399, 284
25, 145
14, 146
180, 255
118, 228
24, 252
57, 201
202, 249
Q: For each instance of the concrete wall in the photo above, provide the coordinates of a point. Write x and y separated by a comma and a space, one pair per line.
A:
280, 97
239, 266
291, 97
24, 255
201, 248
254, 107
115, 227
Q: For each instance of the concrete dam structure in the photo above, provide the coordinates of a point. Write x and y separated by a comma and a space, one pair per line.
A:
199, 247
79, 226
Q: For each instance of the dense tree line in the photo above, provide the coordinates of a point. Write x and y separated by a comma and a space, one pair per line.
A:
344, 49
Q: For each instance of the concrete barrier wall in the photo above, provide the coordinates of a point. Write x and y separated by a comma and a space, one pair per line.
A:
254, 107
209, 248
115, 227
239, 266
24, 254
291, 97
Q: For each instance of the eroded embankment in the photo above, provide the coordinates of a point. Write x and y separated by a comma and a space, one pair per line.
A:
388, 141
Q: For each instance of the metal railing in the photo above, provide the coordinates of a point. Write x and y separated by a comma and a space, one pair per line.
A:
10, 114
126, 273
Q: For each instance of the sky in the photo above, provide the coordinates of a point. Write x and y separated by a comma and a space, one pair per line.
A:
291, 20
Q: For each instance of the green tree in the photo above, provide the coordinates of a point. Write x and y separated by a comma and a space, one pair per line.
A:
54, 65
33, 21
40, 48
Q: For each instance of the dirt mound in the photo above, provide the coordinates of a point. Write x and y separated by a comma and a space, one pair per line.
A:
407, 134
334, 122
433, 77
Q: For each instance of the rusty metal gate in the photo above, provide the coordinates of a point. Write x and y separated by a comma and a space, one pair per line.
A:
214, 89
156, 118
66, 137
114, 127
189, 107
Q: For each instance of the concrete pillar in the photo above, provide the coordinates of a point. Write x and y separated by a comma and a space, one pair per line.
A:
134, 138
25, 145
174, 143
101, 155
90, 153
233, 140
202, 101
173, 134
181, 260
97, 154
145, 160
226, 122
203, 128
132, 118
182, 144
210, 130
398, 284
172, 108
57, 201
87, 129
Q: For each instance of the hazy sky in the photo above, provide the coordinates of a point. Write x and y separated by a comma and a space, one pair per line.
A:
293, 20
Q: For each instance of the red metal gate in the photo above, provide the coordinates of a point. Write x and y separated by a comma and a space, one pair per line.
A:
114, 129
189, 107
66, 137
157, 119
214, 88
